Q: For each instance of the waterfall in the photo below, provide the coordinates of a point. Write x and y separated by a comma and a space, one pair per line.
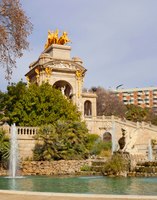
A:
150, 151
113, 138
13, 152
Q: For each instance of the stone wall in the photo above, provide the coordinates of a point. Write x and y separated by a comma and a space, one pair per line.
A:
62, 167
144, 169
3, 171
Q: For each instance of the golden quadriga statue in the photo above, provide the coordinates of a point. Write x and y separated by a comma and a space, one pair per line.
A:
54, 39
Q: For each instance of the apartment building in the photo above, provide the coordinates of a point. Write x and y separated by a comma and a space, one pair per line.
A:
144, 97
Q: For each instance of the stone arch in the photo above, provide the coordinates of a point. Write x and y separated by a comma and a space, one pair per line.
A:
107, 137
88, 108
64, 87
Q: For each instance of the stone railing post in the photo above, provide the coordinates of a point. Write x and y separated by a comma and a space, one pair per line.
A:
112, 118
137, 124
6, 127
142, 124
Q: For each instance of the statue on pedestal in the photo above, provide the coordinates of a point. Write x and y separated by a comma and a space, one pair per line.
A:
122, 141
53, 38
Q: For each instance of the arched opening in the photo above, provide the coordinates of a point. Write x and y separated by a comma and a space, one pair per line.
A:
64, 87
107, 137
87, 108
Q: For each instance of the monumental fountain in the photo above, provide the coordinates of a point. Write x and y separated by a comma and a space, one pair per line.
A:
75, 184
13, 153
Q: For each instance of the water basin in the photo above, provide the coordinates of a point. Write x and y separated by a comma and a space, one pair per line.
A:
82, 185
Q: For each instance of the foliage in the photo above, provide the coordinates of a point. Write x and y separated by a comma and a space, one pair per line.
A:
96, 145
136, 113
4, 147
13, 95
63, 140
38, 105
108, 103
2, 105
86, 168
106, 153
115, 165
15, 28
68, 140
152, 117
91, 139
100, 146
154, 120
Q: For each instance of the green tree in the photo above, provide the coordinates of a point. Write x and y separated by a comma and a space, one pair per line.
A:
4, 147
38, 105
2, 105
64, 140
97, 146
15, 28
153, 119
92, 139
13, 95
136, 113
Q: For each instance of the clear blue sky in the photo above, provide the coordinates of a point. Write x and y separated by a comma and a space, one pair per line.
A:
116, 39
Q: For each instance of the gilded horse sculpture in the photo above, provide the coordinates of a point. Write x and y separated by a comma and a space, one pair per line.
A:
53, 38
63, 39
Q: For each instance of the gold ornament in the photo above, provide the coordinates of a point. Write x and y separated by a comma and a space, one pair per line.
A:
53, 38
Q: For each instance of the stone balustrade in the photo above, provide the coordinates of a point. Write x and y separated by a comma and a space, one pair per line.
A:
26, 130
120, 120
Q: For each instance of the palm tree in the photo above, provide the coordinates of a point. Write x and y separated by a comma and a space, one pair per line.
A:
63, 140
4, 147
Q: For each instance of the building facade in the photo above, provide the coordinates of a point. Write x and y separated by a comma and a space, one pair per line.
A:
56, 67
143, 97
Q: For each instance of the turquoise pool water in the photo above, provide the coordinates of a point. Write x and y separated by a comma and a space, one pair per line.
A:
86, 185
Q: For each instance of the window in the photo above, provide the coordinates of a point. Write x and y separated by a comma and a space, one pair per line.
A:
87, 108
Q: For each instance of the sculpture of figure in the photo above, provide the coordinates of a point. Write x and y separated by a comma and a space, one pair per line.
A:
48, 70
121, 141
37, 71
52, 38
55, 37
63, 90
78, 73
63, 39
49, 39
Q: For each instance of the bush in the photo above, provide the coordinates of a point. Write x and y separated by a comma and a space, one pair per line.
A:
98, 147
86, 168
105, 153
115, 165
